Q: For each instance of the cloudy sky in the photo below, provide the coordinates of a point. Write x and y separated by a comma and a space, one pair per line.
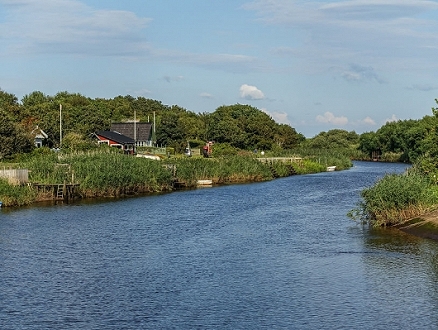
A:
316, 65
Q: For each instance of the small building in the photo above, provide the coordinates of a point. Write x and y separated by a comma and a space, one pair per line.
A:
39, 136
140, 132
117, 140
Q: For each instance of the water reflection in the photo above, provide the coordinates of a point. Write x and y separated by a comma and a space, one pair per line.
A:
273, 255
402, 274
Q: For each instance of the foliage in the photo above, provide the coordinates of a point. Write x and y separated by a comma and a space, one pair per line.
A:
220, 170
224, 149
409, 139
246, 127
309, 166
15, 195
13, 138
100, 173
341, 158
333, 139
396, 198
75, 141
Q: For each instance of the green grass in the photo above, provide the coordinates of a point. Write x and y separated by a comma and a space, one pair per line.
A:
220, 170
396, 198
15, 195
107, 173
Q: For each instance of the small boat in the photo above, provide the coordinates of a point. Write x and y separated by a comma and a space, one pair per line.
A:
154, 157
204, 182
331, 168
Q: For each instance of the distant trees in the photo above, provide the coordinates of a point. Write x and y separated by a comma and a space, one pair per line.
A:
410, 139
13, 138
240, 126
237, 126
335, 138
246, 127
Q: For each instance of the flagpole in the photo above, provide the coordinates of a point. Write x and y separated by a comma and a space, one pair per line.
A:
60, 125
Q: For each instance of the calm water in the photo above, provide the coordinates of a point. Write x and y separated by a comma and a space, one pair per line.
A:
274, 255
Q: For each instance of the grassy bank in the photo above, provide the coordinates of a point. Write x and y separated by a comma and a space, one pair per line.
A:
233, 169
396, 198
107, 173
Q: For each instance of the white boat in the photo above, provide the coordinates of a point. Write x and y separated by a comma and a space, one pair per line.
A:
204, 182
154, 157
331, 168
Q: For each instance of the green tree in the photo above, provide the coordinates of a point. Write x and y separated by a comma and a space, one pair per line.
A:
369, 143
13, 138
335, 138
242, 126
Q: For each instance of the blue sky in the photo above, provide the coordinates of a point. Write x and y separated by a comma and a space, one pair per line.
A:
315, 65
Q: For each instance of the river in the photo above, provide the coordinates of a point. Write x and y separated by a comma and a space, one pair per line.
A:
272, 255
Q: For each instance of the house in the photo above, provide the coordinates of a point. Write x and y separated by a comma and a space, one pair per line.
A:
140, 132
117, 140
39, 135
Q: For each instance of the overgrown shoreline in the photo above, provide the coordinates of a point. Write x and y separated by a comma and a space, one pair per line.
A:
398, 199
106, 173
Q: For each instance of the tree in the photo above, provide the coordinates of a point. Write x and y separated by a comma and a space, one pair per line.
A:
13, 139
335, 138
287, 137
9, 104
242, 126
369, 143
169, 132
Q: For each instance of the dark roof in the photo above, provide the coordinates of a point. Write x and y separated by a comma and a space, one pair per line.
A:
144, 130
116, 137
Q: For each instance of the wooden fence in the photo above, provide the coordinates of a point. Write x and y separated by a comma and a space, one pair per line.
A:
15, 176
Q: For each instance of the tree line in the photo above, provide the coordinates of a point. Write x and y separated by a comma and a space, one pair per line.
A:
238, 126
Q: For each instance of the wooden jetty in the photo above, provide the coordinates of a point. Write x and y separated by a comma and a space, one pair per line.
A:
57, 191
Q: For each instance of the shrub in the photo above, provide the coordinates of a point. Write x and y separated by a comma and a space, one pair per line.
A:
396, 198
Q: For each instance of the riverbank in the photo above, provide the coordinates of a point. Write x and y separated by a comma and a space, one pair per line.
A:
108, 174
425, 226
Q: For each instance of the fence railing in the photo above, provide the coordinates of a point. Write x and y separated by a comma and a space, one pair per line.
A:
15, 176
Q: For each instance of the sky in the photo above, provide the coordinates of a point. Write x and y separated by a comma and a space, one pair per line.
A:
314, 65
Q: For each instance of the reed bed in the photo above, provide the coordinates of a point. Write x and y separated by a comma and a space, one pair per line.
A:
107, 173
101, 173
233, 169
341, 158
116, 174
396, 198
11, 195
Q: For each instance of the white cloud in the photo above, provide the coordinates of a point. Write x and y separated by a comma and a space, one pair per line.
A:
69, 26
392, 119
72, 27
251, 92
329, 118
206, 95
279, 117
389, 34
369, 121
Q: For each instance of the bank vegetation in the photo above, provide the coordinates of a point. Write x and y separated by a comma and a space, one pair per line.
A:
105, 172
399, 198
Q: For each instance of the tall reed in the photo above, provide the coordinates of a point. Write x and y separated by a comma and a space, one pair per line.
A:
220, 170
396, 198
15, 195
